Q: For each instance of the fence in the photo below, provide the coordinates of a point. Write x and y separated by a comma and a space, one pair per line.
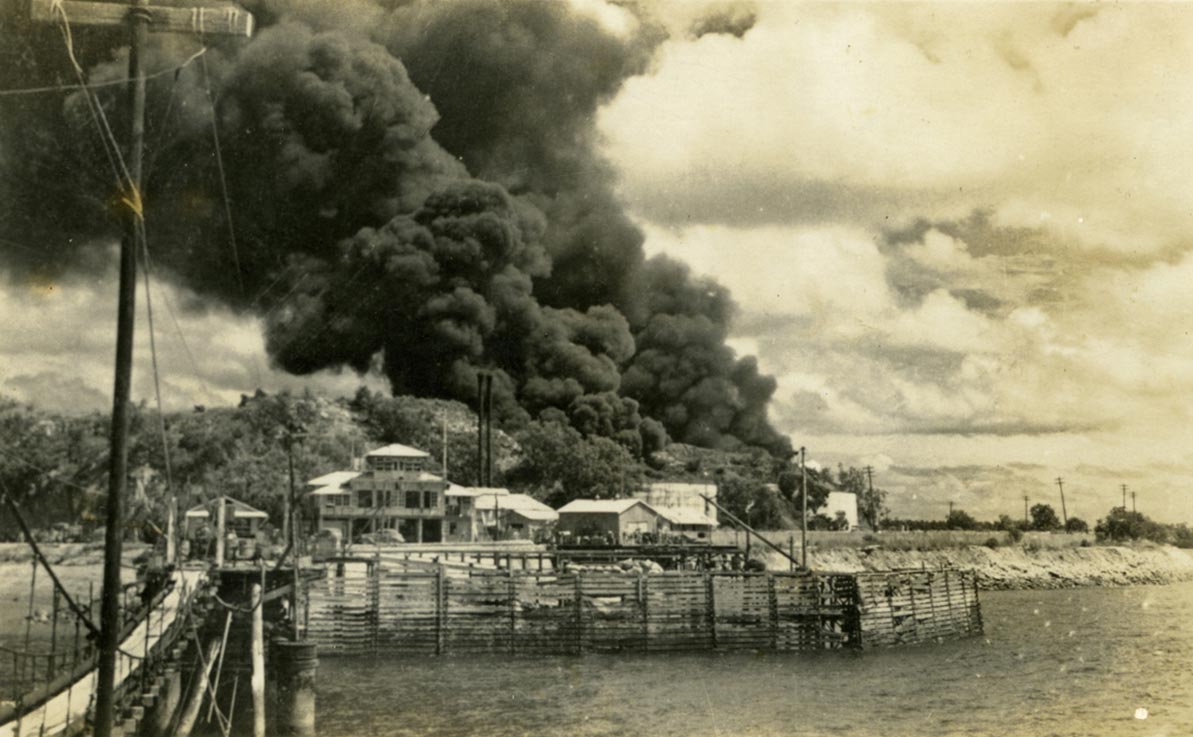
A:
432, 612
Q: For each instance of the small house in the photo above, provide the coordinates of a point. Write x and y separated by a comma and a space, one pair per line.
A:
619, 520
239, 517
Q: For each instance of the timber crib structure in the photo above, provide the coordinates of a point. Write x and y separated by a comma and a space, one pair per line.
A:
450, 611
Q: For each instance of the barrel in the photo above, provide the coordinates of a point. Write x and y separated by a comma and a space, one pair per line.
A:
294, 665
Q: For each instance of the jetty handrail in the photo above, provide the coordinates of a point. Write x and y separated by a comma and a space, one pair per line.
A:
46, 564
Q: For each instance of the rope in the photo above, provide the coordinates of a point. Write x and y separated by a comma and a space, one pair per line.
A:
124, 180
219, 163
157, 386
236, 608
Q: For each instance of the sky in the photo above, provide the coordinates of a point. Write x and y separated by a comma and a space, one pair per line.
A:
957, 234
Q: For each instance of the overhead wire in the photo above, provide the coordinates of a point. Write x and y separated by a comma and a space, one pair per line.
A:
97, 85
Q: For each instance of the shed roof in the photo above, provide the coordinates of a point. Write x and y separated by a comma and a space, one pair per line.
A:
684, 516
601, 506
536, 515
397, 450
239, 509
518, 502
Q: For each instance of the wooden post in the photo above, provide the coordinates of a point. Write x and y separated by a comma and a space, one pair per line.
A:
53, 635
512, 591
711, 604
579, 612
644, 608
258, 657
199, 687
172, 531
221, 522
772, 611
440, 605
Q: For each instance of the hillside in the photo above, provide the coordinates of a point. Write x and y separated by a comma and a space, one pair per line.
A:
55, 464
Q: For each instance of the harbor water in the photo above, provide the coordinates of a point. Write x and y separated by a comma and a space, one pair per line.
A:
1088, 662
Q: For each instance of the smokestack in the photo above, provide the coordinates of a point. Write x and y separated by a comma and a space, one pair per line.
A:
489, 430
480, 428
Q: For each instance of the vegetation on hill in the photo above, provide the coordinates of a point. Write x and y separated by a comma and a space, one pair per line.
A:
55, 465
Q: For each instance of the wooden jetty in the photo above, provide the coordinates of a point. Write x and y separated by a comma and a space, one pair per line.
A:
62, 706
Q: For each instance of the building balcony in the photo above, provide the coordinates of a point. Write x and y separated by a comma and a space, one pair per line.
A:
354, 512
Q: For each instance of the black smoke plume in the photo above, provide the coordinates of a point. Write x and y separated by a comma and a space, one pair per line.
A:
415, 187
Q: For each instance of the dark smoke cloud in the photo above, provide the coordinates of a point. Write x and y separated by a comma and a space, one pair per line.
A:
415, 188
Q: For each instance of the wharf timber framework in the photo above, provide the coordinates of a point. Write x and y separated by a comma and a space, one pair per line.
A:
447, 611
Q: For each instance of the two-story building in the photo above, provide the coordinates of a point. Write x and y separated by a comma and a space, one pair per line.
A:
394, 489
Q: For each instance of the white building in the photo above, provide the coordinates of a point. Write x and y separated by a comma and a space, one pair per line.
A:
844, 502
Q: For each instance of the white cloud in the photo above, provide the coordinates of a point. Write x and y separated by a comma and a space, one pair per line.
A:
57, 347
827, 112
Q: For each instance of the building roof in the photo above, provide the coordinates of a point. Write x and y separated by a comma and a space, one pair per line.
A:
684, 487
536, 515
330, 490
335, 478
520, 504
457, 490
397, 450
601, 506
684, 516
239, 509
507, 500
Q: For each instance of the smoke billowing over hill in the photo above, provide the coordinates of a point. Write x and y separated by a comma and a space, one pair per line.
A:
415, 188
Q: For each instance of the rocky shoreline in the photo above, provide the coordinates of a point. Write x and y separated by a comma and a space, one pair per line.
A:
1025, 567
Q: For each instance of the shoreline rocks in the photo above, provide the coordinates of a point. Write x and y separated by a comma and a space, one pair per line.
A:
1024, 567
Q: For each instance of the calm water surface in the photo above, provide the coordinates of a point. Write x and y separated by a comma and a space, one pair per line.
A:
1076, 662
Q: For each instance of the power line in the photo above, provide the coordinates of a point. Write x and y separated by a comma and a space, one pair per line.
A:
97, 85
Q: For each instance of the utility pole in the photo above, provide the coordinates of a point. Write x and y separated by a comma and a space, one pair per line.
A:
950, 509
138, 17
1124, 487
872, 500
1026, 518
803, 473
294, 433
443, 419
1132, 502
1060, 484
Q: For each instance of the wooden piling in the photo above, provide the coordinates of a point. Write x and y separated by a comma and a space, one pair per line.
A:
258, 656
186, 722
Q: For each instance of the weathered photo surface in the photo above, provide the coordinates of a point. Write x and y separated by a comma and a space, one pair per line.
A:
595, 367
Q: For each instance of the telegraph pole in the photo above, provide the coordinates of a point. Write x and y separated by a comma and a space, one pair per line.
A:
1026, 518
1124, 487
1060, 484
138, 17
872, 500
803, 539
1132, 502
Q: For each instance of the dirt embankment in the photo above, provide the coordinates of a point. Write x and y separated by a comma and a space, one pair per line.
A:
1019, 567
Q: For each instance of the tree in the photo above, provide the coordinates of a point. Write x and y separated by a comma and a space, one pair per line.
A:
1043, 518
819, 486
1076, 525
749, 500
959, 519
559, 464
1121, 525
